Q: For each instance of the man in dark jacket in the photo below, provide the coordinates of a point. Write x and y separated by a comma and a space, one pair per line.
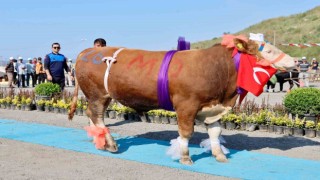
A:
55, 64
10, 72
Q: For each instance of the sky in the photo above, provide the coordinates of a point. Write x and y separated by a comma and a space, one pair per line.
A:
28, 28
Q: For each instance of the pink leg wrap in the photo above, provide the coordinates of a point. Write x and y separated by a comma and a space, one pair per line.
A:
99, 134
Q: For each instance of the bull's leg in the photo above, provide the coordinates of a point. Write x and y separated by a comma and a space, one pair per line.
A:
214, 131
95, 113
186, 118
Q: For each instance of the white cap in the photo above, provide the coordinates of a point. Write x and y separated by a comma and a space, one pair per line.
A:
314, 59
303, 57
11, 58
256, 37
29, 59
20, 57
69, 59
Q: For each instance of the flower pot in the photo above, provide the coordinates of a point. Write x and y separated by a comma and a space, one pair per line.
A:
173, 120
130, 116
230, 125
40, 108
310, 117
23, 107
310, 133
243, 126
28, 107
157, 119
263, 127
79, 112
165, 120
288, 131
278, 129
318, 134
251, 127
120, 116
271, 128
144, 117
112, 114
222, 124
56, 110
13, 107
297, 132
136, 117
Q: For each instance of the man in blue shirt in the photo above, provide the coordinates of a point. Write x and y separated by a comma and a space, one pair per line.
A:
55, 64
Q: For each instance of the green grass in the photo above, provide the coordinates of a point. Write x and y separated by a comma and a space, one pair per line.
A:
298, 28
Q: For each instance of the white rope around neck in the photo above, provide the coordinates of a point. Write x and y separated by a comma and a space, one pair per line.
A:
109, 60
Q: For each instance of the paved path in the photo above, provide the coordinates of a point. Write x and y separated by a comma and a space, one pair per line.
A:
39, 145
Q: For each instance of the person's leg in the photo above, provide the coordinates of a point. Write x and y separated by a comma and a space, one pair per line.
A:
28, 79
10, 79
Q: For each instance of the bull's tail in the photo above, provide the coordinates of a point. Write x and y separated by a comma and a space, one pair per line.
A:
73, 106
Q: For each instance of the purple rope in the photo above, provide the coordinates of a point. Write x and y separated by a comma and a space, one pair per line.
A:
163, 82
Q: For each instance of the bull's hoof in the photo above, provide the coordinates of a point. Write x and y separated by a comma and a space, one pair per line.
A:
221, 158
112, 148
186, 161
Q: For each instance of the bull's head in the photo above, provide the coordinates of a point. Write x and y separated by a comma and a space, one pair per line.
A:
266, 53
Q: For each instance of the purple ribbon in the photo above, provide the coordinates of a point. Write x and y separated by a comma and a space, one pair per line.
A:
163, 82
236, 60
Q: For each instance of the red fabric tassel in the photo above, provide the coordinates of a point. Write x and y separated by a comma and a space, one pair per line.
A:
99, 135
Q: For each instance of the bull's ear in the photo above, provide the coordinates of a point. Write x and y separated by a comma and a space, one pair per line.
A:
240, 44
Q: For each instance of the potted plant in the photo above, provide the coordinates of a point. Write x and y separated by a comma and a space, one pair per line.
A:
251, 122
46, 91
79, 110
279, 123
15, 101
262, 118
303, 102
165, 117
288, 128
298, 126
48, 105
172, 117
151, 115
8, 102
318, 129
28, 105
157, 115
23, 103
230, 121
310, 129
55, 107
40, 105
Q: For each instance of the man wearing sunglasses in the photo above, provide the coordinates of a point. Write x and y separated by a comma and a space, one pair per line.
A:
55, 64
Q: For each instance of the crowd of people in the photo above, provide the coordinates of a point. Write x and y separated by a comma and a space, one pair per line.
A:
55, 68
301, 76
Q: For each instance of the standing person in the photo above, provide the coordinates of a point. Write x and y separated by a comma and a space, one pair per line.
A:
15, 72
68, 78
55, 64
314, 69
100, 42
21, 73
10, 71
41, 73
30, 72
303, 69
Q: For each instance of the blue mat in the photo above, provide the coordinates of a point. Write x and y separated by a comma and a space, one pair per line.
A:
242, 164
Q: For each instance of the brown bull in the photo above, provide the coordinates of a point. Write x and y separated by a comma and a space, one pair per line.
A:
202, 85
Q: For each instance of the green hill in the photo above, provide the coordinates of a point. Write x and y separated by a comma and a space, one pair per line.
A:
299, 28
